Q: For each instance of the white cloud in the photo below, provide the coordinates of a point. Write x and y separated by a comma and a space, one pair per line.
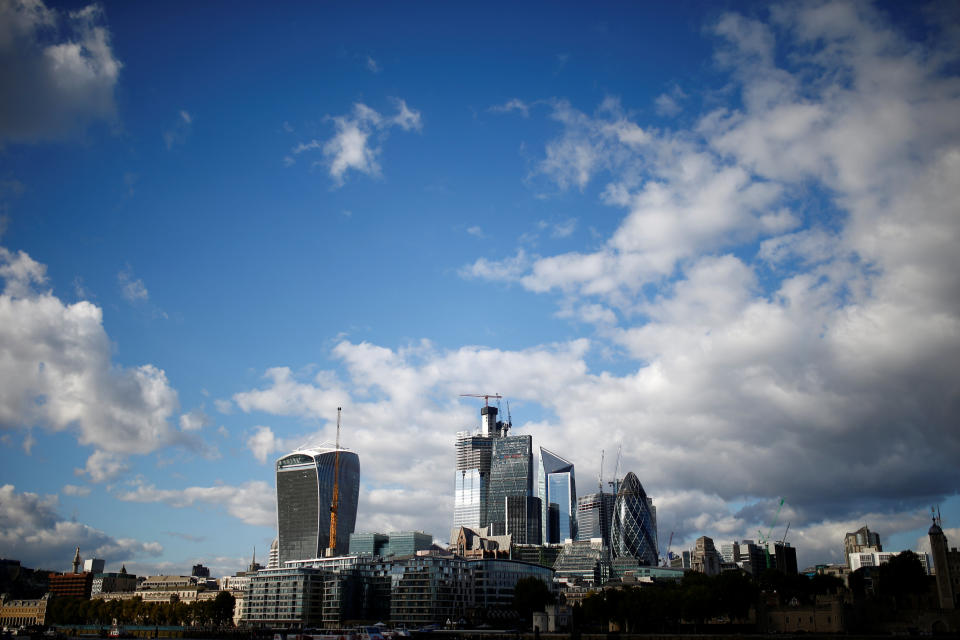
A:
372, 65
58, 375
262, 443
252, 502
59, 71
103, 466
357, 142
507, 269
33, 532
195, 420
514, 104
74, 490
132, 288
475, 231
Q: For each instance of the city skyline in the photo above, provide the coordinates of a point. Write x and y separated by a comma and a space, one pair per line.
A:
722, 237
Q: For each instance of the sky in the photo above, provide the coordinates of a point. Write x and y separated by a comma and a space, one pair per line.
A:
720, 238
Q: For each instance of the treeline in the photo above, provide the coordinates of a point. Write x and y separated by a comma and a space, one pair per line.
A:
696, 599
217, 612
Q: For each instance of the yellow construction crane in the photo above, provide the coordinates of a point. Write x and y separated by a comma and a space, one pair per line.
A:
336, 492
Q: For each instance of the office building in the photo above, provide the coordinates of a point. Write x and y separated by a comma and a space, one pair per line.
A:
523, 519
494, 581
633, 532
860, 540
93, 565
368, 544
511, 474
594, 516
583, 562
472, 476
305, 480
876, 558
113, 582
557, 485
705, 558
752, 558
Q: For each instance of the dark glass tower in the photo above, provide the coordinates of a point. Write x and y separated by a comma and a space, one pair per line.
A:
304, 499
634, 531
511, 474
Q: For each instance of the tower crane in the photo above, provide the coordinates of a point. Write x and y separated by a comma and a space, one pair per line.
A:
336, 493
616, 469
486, 397
765, 539
600, 478
783, 540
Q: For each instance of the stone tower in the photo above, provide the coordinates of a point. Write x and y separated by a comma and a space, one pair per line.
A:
941, 564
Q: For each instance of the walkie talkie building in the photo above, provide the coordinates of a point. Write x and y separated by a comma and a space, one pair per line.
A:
305, 497
634, 532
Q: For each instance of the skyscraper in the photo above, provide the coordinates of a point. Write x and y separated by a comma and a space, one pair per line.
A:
634, 532
511, 474
558, 485
594, 516
304, 499
472, 477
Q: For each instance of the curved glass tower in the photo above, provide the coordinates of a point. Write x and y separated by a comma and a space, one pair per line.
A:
558, 486
304, 499
634, 532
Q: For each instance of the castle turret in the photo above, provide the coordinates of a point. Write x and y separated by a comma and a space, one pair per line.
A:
941, 565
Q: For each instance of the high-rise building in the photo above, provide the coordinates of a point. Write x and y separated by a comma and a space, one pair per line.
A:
511, 474
472, 477
305, 480
860, 540
557, 485
93, 565
594, 516
705, 558
523, 519
633, 533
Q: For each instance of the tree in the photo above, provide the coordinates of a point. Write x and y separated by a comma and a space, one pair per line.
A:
530, 594
222, 609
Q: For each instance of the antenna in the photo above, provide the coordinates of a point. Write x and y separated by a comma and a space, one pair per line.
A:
336, 492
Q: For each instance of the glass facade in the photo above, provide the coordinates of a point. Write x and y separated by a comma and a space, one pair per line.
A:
557, 485
304, 497
472, 480
584, 562
495, 580
594, 516
633, 533
523, 519
511, 474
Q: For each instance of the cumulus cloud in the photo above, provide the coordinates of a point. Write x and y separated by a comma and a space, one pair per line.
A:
103, 466
55, 360
32, 531
262, 443
357, 143
74, 490
779, 299
57, 70
252, 502
195, 420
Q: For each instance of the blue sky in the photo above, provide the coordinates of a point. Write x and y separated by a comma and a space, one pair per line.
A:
723, 236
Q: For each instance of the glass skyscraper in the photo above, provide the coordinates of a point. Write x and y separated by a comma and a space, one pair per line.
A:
511, 474
557, 486
305, 496
634, 531
472, 479
594, 516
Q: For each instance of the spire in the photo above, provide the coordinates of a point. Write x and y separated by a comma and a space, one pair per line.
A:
123, 569
76, 561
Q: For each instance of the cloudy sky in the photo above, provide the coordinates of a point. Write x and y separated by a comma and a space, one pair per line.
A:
724, 239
